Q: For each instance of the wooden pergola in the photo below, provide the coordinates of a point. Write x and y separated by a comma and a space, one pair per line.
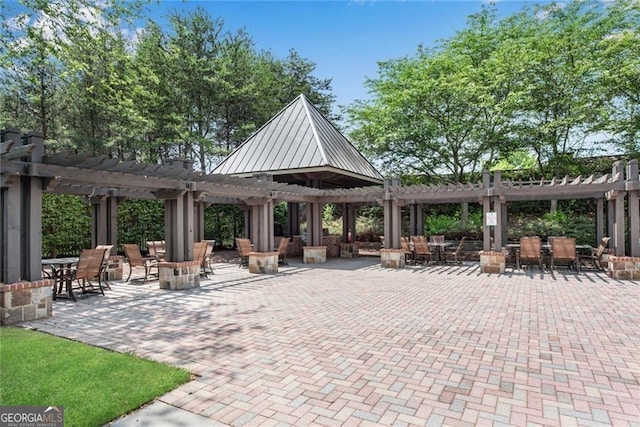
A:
25, 173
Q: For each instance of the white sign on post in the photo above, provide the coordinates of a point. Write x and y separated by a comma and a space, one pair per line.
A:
492, 218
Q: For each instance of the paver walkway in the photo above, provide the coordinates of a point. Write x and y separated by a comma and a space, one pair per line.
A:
350, 343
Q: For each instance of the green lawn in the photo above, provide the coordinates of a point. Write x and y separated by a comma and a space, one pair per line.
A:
93, 385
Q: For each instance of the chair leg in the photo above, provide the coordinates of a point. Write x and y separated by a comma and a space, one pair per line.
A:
130, 271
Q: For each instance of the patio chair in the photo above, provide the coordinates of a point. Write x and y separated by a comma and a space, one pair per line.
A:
563, 251
454, 255
105, 263
421, 251
595, 256
208, 256
199, 254
156, 249
437, 238
406, 247
89, 269
244, 248
135, 259
282, 250
530, 251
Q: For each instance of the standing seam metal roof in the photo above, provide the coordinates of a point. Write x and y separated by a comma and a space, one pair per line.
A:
298, 137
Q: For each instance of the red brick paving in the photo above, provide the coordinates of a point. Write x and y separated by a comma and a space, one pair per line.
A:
349, 343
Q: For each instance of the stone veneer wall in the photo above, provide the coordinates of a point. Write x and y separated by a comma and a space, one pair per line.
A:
179, 275
392, 258
332, 242
492, 262
24, 301
349, 250
263, 262
314, 255
295, 247
624, 267
115, 268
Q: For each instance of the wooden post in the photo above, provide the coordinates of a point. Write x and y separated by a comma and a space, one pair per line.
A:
293, 218
599, 220
392, 216
486, 208
21, 217
633, 203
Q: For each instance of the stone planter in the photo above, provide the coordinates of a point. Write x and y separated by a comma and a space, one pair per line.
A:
624, 267
349, 250
314, 254
392, 258
24, 301
263, 262
492, 262
179, 275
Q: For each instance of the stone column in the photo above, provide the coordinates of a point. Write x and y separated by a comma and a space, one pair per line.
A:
261, 224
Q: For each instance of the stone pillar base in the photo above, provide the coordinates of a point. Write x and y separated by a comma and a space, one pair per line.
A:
392, 258
114, 268
179, 275
263, 262
314, 254
24, 301
349, 250
624, 267
492, 262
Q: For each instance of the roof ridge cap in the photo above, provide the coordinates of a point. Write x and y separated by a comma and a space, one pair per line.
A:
305, 104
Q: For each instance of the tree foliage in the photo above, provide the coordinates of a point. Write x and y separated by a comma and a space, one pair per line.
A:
83, 75
556, 81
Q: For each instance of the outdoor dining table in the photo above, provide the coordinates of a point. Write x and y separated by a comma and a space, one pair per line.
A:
60, 269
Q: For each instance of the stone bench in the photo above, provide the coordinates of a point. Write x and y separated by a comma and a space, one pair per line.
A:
314, 254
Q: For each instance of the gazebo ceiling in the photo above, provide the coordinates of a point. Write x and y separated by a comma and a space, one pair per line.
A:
300, 146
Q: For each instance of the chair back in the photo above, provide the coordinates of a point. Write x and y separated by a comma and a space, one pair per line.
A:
282, 247
563, 248
415, 239
107, 252
530, 248
459, 248
421, 248
244, 246
90, 263
199, 251
602, 246
133, 254
436, 238
209, 251
404, 244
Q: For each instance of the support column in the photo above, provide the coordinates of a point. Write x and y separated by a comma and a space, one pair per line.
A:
349, 213
486, 208
262, 224
416, 219
21, 215
504, 206
293, 218
599, 220
198, 220
392, 215
104, 221
498, 202
314, 224
633, 202
619, 212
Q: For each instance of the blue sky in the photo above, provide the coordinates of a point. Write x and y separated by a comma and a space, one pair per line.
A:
345, 39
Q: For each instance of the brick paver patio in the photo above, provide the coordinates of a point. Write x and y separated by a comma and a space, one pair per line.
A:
350, 343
